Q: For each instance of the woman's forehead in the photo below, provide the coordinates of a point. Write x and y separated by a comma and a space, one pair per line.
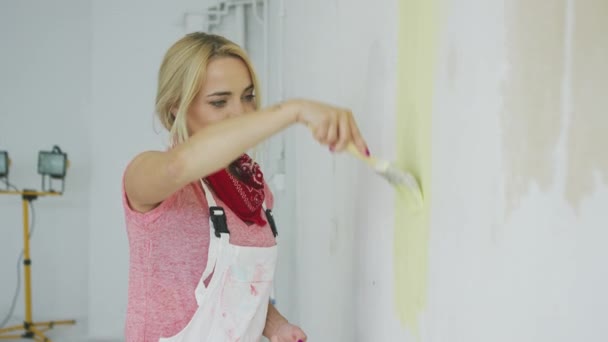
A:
227, 72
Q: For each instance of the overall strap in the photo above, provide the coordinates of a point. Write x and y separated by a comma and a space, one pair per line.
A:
217, 215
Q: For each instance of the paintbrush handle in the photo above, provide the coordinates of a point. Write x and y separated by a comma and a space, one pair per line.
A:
352, 149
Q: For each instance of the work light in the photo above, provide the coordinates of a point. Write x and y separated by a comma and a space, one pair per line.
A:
52, 165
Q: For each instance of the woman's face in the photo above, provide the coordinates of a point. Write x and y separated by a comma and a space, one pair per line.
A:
227, 91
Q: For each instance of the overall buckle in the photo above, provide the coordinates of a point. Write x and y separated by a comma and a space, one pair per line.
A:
218, 218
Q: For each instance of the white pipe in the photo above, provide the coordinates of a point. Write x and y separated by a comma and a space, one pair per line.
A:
265, 67
221, 8
255, 10
280, 48
280, 88
240, 25
266, 47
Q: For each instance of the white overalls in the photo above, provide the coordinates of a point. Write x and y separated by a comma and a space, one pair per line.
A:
234, 305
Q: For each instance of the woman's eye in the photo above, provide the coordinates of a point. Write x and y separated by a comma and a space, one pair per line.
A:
249, 98
218, 104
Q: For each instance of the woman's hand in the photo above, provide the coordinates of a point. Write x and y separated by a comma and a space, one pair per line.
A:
288, 332
332, 126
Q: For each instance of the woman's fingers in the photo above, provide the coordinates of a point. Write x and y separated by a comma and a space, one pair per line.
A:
320, 133
332, 131
331, 126
302, 336
338, 131
344, 133
357, 139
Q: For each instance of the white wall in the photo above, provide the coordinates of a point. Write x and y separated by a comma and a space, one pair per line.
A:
513, 256
44, 90
346, 56
518, 216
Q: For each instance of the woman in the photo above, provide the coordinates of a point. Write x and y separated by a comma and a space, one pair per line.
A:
201, 234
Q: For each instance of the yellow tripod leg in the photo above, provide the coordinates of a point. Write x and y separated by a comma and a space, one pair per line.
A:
29, 329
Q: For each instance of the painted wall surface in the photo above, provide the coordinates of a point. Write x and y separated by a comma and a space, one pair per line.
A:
518, 181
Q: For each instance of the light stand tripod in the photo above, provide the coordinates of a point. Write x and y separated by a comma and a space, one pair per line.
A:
31, 330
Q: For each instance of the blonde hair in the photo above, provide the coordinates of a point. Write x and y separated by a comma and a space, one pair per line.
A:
182, 72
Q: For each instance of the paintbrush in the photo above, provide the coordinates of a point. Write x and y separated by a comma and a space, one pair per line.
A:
397, 177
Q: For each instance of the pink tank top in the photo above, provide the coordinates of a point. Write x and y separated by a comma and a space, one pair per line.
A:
168, 253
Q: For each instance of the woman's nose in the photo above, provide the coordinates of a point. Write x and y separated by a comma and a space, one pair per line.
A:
237, 108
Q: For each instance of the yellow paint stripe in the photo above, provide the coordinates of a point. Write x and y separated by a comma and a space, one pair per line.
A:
418, 26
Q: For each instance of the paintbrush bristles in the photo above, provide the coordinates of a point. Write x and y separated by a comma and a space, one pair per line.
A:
400, 179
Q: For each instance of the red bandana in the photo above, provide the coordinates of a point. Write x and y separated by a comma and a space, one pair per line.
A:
241, 187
